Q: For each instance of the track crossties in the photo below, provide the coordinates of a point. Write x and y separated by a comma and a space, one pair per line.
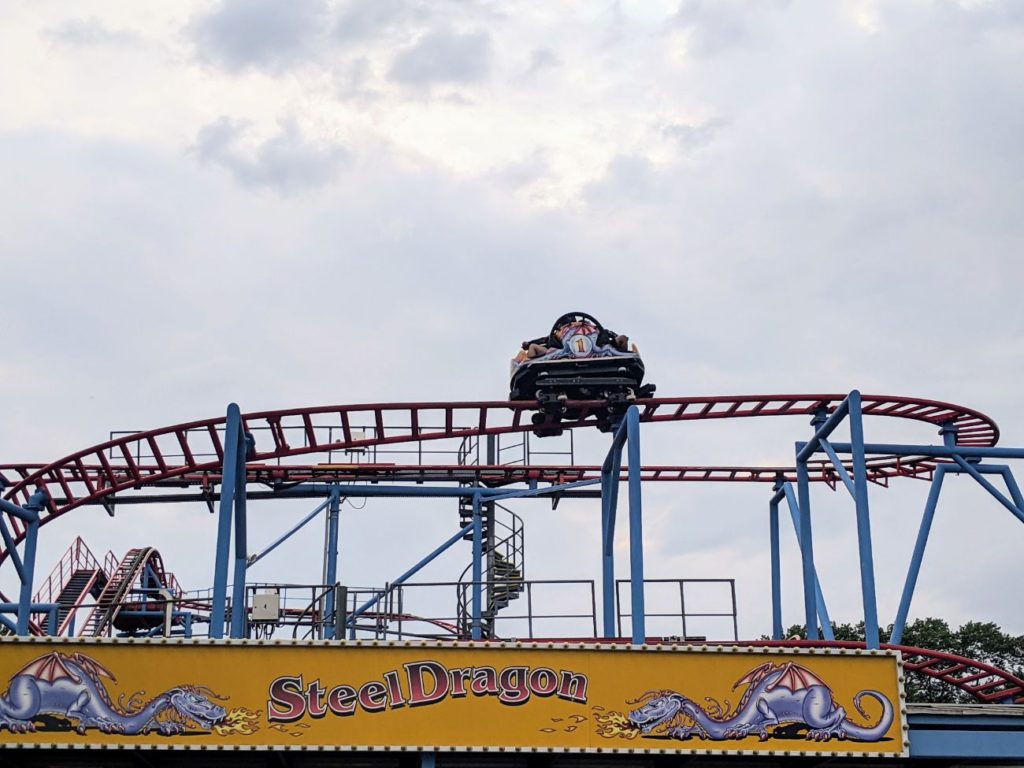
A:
191, 454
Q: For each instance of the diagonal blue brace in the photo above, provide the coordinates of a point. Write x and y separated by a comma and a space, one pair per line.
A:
821, 611
610, 472
351, 620
840, 469
1016, 510
918, 556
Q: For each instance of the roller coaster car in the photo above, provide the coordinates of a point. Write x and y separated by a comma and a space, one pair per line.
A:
579, 359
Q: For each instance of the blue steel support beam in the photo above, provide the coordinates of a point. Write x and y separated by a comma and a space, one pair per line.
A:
50, 609
935, 451
984, 483
773, 527
332, 559
806, 450
239, 614
1011, 485
819, 596
860, 483
30, 512
918, 556
806, 546
840, 469
29, 559
406, 576
609, 502
11, 546
232, 431
414, 491
636, 533
478, 564
253, 559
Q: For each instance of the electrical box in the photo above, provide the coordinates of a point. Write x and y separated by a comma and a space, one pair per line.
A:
266, 606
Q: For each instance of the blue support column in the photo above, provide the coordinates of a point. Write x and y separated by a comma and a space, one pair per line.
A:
332, 559
478, 559
636, 534
29, 560
232, 431
239, 614
773, 526
609, 502
918, 556
806, 546
860, 483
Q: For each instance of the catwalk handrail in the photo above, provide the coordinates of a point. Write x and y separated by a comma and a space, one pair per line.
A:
89, 475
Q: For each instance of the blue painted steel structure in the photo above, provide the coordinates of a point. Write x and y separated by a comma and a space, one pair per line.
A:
850, 463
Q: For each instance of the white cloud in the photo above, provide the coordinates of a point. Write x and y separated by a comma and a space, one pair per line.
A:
759, 208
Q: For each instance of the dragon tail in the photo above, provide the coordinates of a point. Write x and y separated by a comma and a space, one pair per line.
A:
877, 731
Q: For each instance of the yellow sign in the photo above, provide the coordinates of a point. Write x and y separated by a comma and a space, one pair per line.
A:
445, 696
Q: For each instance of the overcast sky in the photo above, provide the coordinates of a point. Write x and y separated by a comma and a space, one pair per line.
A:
306, 203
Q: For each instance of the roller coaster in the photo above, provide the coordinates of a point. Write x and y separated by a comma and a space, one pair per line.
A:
391, 450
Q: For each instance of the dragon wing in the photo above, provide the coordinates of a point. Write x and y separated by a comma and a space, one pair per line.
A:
756, 675
92, 667
48, 668
796, 678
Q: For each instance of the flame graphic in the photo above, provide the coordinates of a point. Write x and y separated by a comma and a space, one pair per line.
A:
611, 725
240, 722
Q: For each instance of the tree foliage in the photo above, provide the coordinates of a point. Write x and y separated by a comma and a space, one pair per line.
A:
979, 641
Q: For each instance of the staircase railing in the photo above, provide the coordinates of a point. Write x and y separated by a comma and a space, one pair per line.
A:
78, 557
505, 572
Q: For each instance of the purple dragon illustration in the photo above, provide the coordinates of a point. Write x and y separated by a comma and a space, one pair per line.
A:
71, 687
777, 694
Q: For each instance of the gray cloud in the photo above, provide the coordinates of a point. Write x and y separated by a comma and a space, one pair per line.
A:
694, 136
445, 56
366, 19
287, 163
263, 34
89, 32
541, 59
716, 25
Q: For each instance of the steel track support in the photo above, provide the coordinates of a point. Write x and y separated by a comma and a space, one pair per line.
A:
478, 558
331, 565
860, 483
1013, 506
609, 500
773, 531
976, 471
29, 514
918, 556
232, 505
239, 614
404, 577
819, 596
636, 534
806, 546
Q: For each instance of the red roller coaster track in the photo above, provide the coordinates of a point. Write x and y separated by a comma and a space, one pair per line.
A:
192, 453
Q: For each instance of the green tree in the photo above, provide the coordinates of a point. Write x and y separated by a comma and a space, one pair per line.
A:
979, 641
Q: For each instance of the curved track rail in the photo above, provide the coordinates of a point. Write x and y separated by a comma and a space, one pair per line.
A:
984, 682
192, 453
